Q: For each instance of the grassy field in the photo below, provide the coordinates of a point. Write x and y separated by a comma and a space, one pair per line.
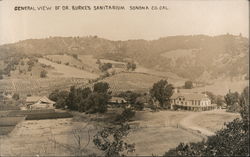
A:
35, 86
221, 87
61, 70
214, 121
156, 133
10, 121
132, 81
7, 124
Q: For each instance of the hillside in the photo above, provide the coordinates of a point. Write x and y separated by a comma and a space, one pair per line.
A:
196, 57
136, 81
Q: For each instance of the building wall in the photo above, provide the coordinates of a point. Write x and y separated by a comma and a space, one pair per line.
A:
198, 103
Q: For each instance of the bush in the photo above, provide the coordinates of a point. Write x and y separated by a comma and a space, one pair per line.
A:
126, 115
111, 141
231, 141
15, 96
43, 74
105, 67
138, 105
188, 84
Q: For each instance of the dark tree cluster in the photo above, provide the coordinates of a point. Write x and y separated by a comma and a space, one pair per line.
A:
232, 100
132, 99
131, 66
43, 73
10, 64
125, 116
104, 67
84, 99
111, 141
188, 85
162, 91
59, 97
215, 99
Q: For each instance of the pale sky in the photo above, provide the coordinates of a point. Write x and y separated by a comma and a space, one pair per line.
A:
184, 17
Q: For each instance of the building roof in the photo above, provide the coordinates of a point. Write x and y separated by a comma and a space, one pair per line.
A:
34, 99
47, 100
189, 96
119, 99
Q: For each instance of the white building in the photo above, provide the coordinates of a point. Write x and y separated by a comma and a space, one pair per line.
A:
191, 101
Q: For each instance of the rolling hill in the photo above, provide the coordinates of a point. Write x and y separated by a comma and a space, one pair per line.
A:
192, 57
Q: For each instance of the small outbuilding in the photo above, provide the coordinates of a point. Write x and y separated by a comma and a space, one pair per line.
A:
36, 102
117, 100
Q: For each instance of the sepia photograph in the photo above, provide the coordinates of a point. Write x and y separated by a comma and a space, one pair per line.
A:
114, 78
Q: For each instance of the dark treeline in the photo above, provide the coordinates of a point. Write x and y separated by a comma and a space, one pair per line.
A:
83, 99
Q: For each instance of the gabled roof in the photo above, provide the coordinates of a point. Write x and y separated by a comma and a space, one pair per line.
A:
34, 99
47, 100
189, 96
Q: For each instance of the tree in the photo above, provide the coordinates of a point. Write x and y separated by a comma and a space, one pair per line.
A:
110, 141
188, 84
138, 105
75, 56
15, 96
125, 116
97, 102
220, 100
232, 101
105, 67
59, 97
131, 66
130, 96
43, 74
71, 99
244, 103
98, 61
162, 91
101, 87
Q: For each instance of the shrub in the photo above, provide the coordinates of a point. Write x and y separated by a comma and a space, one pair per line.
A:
15, 96
138, 105
43, 74
126, 115
110, 141
188, 84
105, 67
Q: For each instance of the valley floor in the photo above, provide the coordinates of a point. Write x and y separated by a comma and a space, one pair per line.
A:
152, 132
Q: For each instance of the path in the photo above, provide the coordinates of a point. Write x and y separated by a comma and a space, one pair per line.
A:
187, 122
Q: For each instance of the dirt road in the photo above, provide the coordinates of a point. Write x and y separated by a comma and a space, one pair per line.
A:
188, 122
